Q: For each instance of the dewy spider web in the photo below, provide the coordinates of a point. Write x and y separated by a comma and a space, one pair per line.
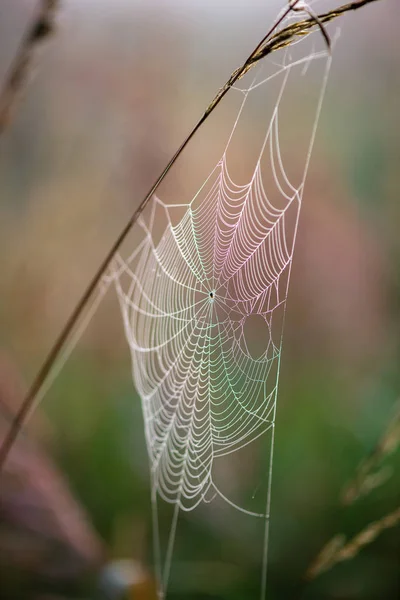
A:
186, 300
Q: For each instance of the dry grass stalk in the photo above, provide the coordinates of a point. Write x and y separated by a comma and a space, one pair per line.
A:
370, 474
287, 36
337, 550
38, 32
367, 478
284, 38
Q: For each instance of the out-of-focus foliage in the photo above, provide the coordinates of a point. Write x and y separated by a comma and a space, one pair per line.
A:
117, 90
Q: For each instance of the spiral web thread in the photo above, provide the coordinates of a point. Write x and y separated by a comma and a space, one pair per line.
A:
185, 300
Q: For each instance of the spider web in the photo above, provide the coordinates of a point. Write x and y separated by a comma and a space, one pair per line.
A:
188, 295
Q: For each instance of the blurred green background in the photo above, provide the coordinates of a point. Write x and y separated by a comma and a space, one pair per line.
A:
117, 88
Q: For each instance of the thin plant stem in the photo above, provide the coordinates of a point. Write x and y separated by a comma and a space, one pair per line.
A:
339, 550
38, 31
370, 473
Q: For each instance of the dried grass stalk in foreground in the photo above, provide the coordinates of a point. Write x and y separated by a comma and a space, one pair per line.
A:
337, 550
43, 529
284, 38
370, 474
38, 32
268, 44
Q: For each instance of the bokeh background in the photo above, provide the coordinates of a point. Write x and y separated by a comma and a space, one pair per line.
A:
116, 90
